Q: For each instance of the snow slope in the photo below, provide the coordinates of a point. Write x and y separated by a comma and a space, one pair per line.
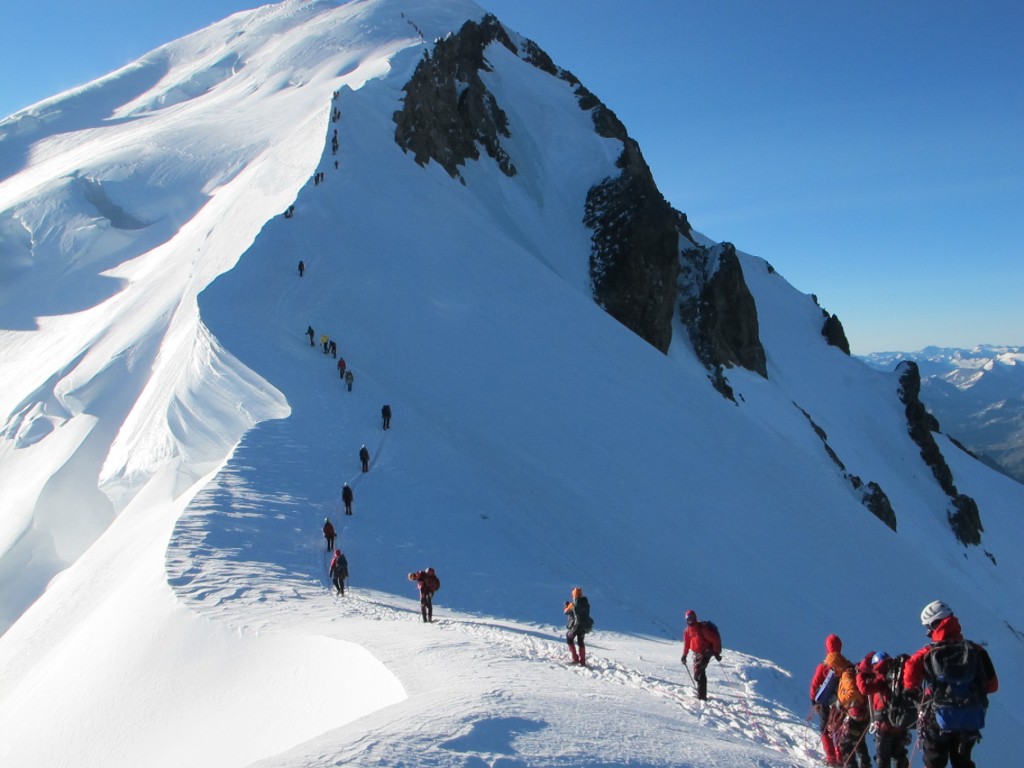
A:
172, 443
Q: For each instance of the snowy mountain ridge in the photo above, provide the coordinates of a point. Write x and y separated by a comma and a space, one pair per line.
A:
172, 441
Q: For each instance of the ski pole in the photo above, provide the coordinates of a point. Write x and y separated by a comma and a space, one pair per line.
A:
689, 675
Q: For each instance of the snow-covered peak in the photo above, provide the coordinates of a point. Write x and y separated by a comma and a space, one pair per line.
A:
172, 441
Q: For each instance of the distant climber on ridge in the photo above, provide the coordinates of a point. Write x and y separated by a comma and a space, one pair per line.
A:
339, 572
578, 622
428, 584
329, 533
703, 639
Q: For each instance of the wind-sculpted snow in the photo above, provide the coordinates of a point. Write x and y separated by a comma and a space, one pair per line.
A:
218, 564
171, 442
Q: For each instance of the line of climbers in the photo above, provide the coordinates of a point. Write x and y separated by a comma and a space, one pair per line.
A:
330, 347
319, 177
941, 690
702, 638
347, 497
338, 569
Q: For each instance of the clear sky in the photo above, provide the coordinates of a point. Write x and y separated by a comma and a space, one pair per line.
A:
871, 151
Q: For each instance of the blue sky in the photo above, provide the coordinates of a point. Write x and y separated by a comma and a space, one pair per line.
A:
870, 151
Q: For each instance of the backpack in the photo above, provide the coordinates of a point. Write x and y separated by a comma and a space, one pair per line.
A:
709, 631
900, 707
339, 567
849, 695
828, 689
958, 679
431, 582
584, 623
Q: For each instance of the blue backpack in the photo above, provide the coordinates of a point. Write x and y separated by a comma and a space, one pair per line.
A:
828, 689
958, 681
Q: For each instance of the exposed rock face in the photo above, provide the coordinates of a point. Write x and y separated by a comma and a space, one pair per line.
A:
964, 517
834, 334
877, 502
719, 312
635, 260
448, 110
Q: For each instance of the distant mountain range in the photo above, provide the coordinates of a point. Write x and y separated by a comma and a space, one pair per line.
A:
976, 394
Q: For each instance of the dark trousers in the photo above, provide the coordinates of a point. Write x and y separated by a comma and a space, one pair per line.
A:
954, 748
700, 674
427, 606
348, 508
891, 749
854, 744
330, 542
574, 635
339, 584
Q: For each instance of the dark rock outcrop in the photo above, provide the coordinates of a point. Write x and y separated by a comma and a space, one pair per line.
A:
964, 517
635, 261
877, 502
448, 111
871, 495
634, 258
834, 333
922, 424
719, 312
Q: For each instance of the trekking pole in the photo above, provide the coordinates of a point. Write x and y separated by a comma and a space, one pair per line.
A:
694, 682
